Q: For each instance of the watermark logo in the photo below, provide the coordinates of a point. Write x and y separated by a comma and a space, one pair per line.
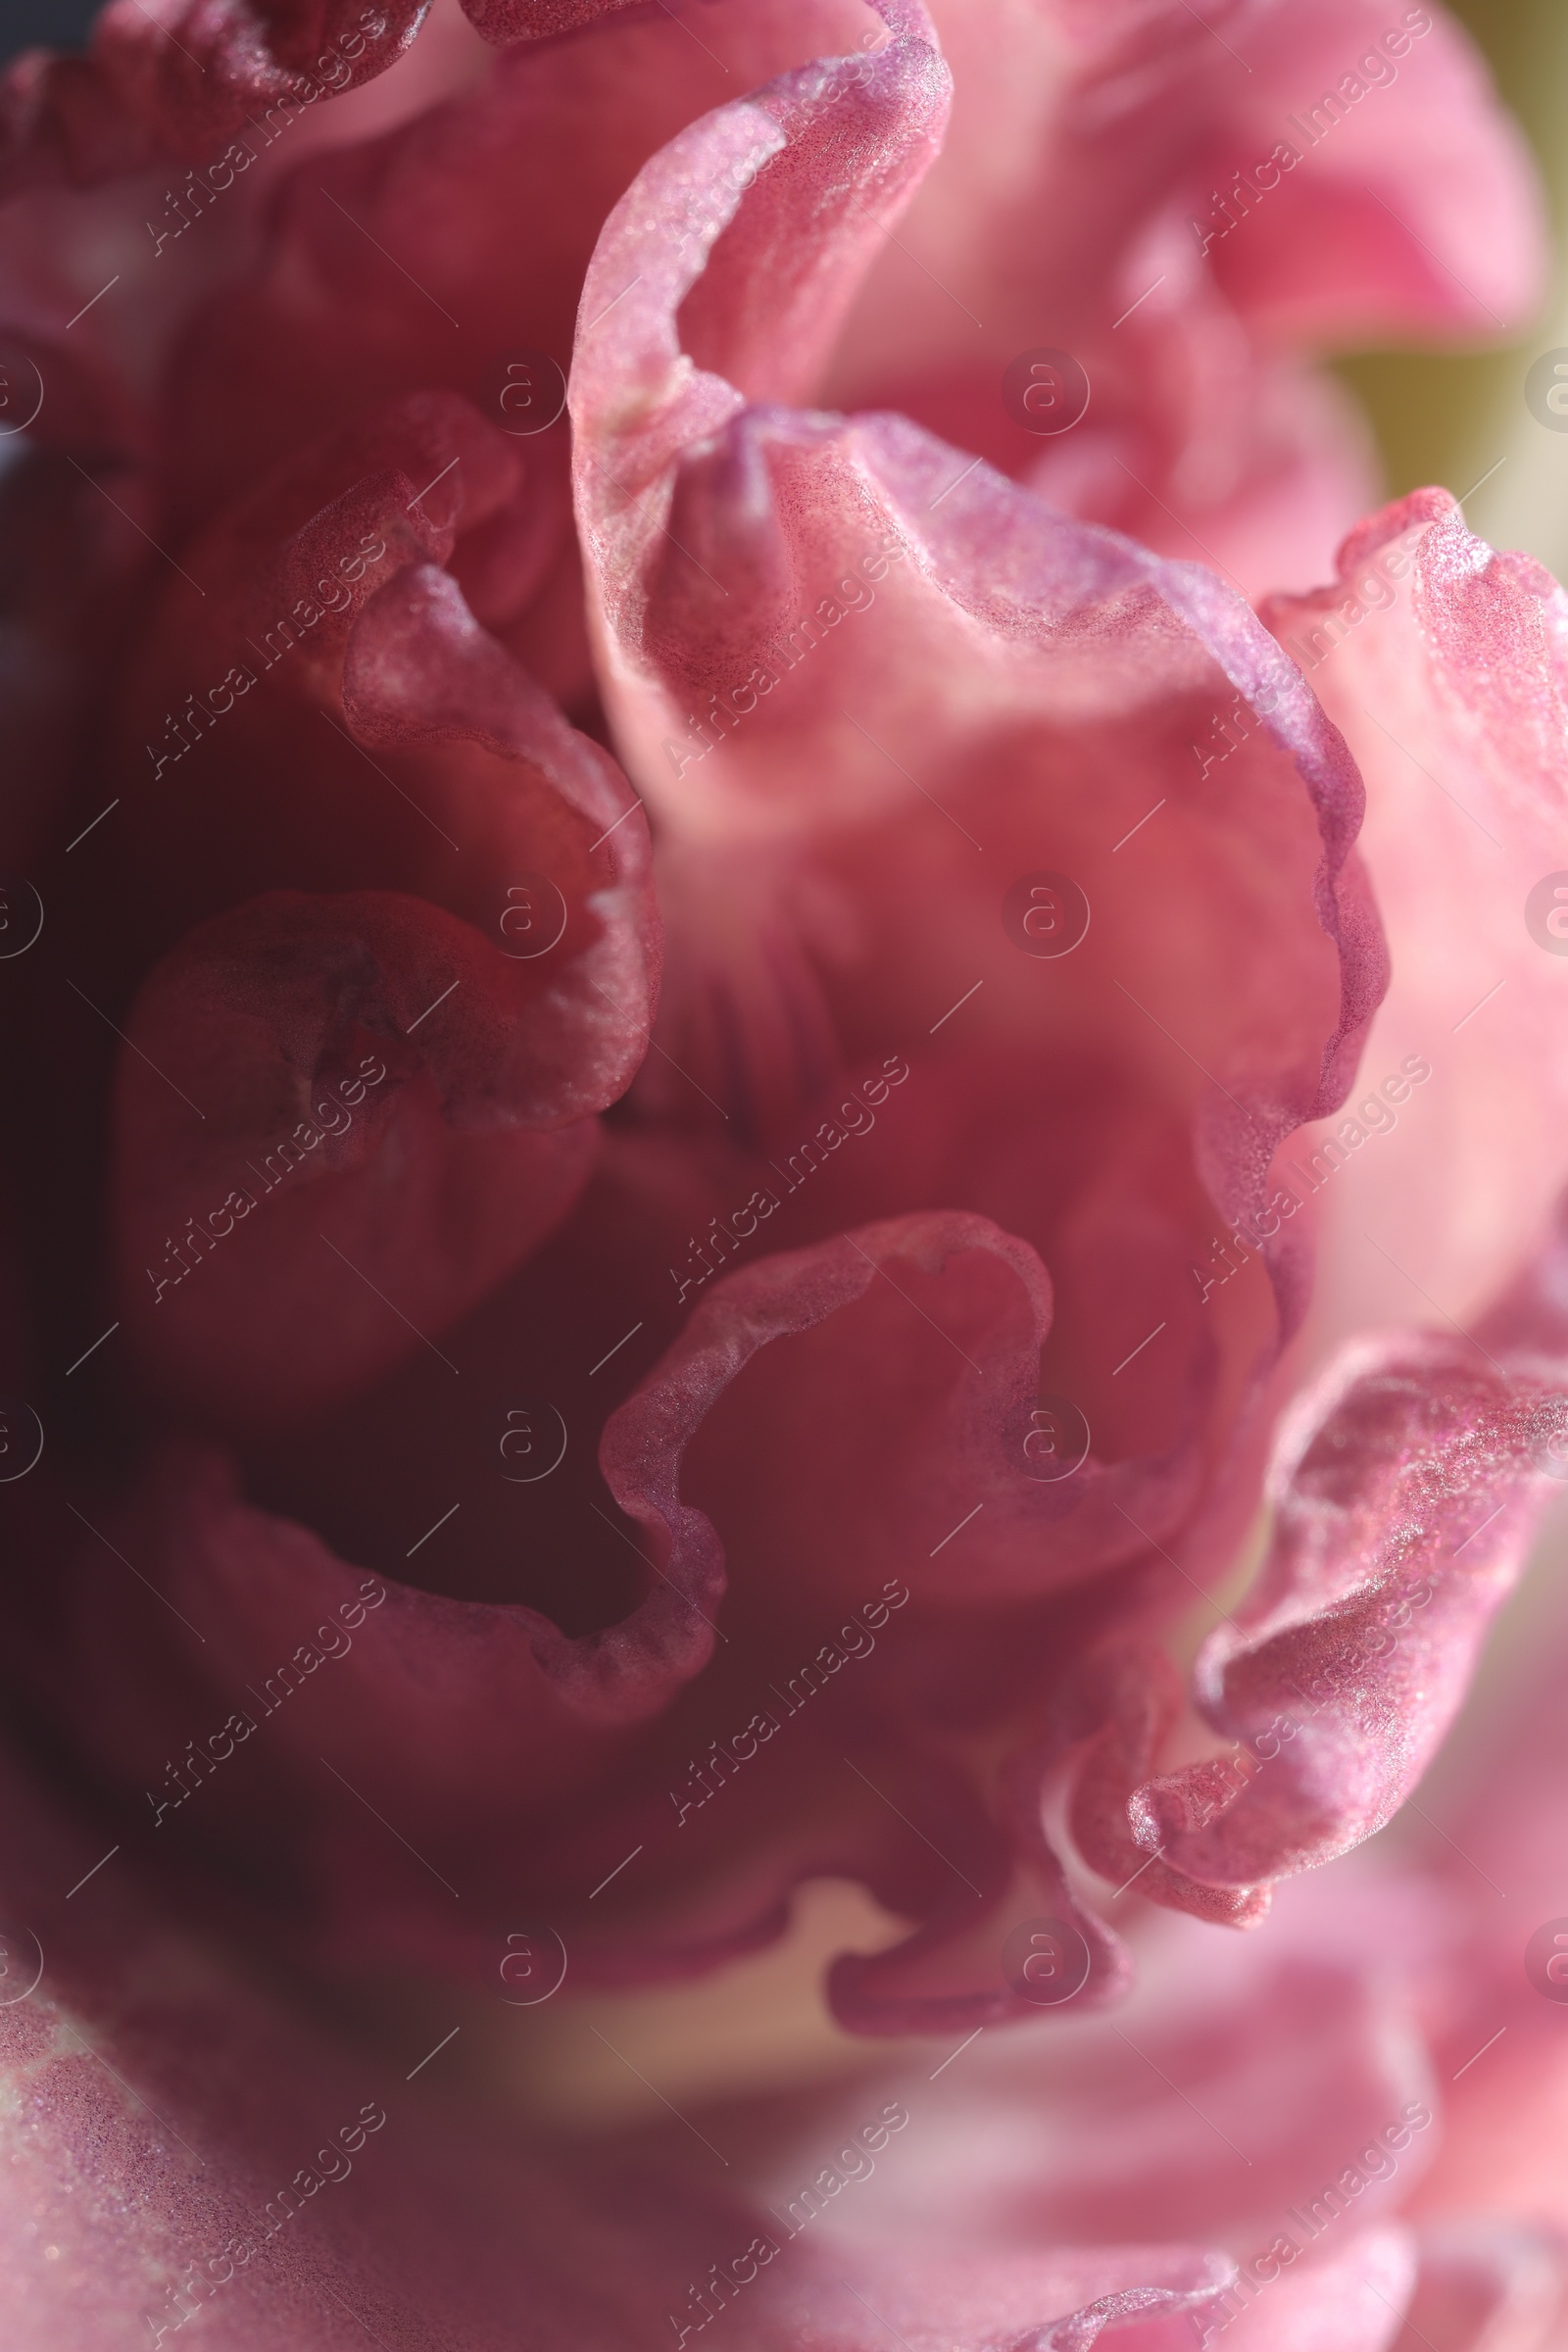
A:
19, 403
1546, 1960
1055, 1440
1546, 391
1552, 1446
532, 1967
524, 392
21, 1439
1547, 910
1046, 1961
1044, 390
1044, 914
532, 917
21, 919
21, 1964
532, 1444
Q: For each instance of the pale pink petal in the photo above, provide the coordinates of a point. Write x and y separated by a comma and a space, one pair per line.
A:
1444, 665
1404, 1493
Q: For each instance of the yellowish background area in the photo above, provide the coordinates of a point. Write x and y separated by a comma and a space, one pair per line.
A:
1449, 417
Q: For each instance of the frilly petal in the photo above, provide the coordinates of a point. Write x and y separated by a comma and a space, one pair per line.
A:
1145, 1702
1108, 189
981, 668
180, 2149
300, 334
1404, 1493
1444, 665
179, 84
460, 1017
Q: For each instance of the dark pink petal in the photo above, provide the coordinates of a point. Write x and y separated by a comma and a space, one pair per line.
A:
179, 84
411, 1062
501, 21
319, 324
977, 576
818, 1438
411, 1170
855, 1789
845, 640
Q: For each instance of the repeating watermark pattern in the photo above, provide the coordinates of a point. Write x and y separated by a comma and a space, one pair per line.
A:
1376, 69
1044, 390
202, 2281
1378, 2159
334, 1116
188, 204
855, 592
1373, 590
1376, 1639
856, 1639
328, 1642
856, 1115
1231, 1774
200, 715
1551, 1451
1373, 1644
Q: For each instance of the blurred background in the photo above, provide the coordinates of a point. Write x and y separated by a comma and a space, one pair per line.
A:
1455, 418
1462, 419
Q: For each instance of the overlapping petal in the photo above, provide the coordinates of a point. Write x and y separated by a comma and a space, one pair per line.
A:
1443, 661
1185, 204
1404, 1496
175, 84
410, 1050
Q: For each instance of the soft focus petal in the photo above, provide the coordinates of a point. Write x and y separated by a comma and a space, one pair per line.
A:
1147, 190
180, 2148
1444, 665
177, 83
